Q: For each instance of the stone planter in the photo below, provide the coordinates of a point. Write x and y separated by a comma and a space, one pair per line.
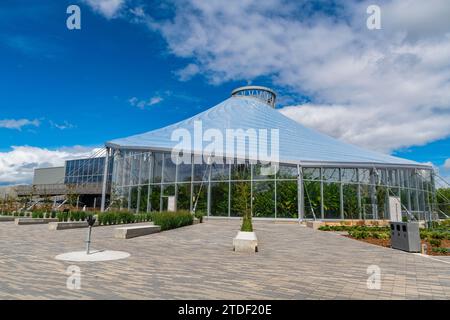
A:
314, 224
27, 221
245, 242
7, 218
135, 231
69, 225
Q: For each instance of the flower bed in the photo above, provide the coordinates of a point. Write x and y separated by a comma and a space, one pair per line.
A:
437, 239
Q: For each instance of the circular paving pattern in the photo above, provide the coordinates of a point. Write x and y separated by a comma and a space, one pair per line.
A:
94, 255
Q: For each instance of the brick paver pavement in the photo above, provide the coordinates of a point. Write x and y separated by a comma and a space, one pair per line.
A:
196, 262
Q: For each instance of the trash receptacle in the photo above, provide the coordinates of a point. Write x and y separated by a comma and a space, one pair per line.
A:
405, 236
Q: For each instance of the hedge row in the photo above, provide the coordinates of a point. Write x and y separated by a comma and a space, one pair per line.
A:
358, 234
434, 234
73, 216
167, 220
172, 220
354, 228
111, 218
31, 214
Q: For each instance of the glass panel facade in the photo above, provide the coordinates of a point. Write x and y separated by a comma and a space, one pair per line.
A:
287, 172
155, 197
350, 197
312, 199
142, 181
87, 171
200, 197
219, 199
169, 168
157, 167
184, 196
263, 199
287, 199
238, 201
331, 201
143, 199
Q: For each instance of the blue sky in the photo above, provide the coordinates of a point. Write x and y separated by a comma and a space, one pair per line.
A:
139, 65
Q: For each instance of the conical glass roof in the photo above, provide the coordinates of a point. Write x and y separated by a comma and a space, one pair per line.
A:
297, 144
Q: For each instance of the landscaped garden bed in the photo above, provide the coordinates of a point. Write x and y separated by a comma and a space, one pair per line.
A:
437, 238
167, 220
41, 214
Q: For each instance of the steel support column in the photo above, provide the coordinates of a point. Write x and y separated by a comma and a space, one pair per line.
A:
105, 180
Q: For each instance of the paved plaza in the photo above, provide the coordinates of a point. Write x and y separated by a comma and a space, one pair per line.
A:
196, 262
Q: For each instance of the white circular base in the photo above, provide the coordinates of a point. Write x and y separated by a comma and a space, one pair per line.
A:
94, 255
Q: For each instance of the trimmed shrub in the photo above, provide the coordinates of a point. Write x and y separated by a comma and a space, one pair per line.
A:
75, 216
381, 235
172, 220
143, 217
437, 235
440, 250
111, 218
435, 242
199, 215
354, 228
246, 225
62, 216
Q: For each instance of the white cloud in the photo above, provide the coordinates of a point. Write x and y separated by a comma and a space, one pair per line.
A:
62, 126
18, 124
187, 72
141, 104
447, 164
155, 100
138, 12
108, 8
382, 89
17, 165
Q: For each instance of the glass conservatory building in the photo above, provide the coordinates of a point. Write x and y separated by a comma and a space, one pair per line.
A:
315, 177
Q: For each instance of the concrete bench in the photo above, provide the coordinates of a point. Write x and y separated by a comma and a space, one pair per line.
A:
25, 221
7, 218
135, 231
68, 225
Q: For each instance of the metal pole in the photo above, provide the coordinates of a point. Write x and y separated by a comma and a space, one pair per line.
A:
322, 211
88, 240
105, 178
300, 194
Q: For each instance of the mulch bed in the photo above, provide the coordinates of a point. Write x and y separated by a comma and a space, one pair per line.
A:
387, 244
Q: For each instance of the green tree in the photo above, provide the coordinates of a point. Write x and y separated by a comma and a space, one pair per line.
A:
242, 204
71, 195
